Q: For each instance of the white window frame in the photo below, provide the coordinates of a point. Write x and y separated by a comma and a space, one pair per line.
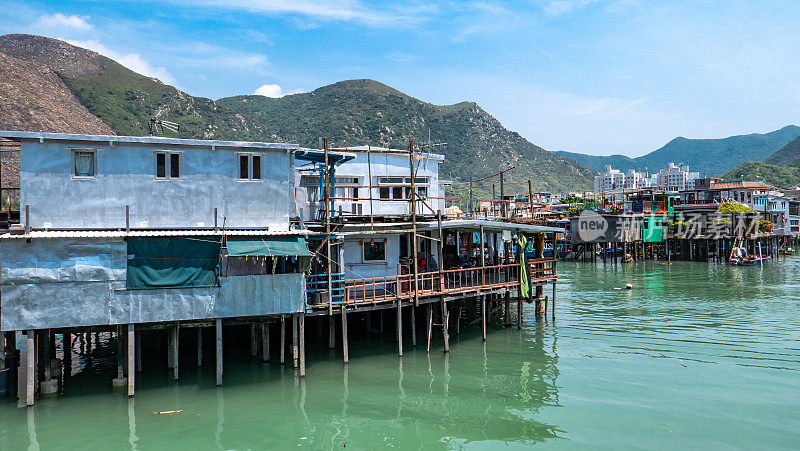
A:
249, 156
73, 154
167, 164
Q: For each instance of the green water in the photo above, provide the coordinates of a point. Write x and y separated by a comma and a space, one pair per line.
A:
596, 378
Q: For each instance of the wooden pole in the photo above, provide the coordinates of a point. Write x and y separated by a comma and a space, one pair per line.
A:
458, 316
175, 347
430, 325
253, 340
413, 199
31, 379
265, 341
295, 341
302, 336
328, 207
345, 346
483, 257
530, 197
445, 321
553, 305
503, 204
507, 310
413, 326
369, 174
283, 339
139, 351
331, 333
219, 351
399, 328
519, 314
440, 249
199, 346
483, 317
131, 359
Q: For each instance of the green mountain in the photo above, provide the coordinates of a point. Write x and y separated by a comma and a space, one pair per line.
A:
354, 112
707, 156
780, 176
781, 169
789, 154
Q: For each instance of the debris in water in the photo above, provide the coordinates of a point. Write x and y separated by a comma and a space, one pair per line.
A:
167, 412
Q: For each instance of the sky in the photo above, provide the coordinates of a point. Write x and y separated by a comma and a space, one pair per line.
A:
591, 76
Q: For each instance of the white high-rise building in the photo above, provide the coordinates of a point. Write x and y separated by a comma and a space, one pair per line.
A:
612, 179
676, 177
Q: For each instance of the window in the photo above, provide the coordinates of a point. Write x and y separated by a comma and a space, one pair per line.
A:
161, 165
84, 164
175, 165
374, 250
397, 192
249, 167
384, 192
168, 165
422, 191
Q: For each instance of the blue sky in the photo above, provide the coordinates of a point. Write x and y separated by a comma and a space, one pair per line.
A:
591, 76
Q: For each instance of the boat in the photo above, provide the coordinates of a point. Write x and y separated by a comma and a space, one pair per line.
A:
739, 256
786, 251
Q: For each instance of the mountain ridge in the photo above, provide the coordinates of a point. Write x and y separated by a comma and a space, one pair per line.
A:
712, 156
352, 112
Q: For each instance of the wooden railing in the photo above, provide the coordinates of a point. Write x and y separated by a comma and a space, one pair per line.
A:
435, 283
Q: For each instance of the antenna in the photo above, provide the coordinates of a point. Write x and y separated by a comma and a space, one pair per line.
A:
157, 125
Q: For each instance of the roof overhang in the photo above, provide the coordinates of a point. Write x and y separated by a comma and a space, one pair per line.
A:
318, 156
157, 140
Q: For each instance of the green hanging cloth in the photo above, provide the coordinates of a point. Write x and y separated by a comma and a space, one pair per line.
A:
524, 286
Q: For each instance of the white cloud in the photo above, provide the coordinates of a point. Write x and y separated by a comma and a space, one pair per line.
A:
59, 20
132, 61
274, 91
558, 7
344, 10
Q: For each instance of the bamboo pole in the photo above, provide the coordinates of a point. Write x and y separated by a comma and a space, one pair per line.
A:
328, 206
412, 198
369, 173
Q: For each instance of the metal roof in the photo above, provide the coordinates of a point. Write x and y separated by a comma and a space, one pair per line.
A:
150, 233
41, 136
432, 156
405, 227
318, 156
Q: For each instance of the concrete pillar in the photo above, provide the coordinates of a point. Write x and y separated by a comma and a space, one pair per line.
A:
413, 325
31, 370
131, 359
253, 340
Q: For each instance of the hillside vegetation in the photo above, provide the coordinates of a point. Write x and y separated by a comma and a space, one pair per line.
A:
354, 112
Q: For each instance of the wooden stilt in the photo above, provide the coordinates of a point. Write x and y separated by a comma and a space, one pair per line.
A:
553, 306
170, 344
283, 339
295, 352
199, 346
219, 351
483, 318
506, 311
445, 331
120, 353
131, 359
519, 314
139, 351
331, 333
265, 341
253, 340
413, 325
345, 345
31, 379
66, 344
175, 348
458, 316
399, 328
302, 337
430, 325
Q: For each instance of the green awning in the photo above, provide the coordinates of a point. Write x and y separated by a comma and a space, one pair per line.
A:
172, 262
274, 246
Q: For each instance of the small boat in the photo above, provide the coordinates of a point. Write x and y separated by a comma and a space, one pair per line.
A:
786, 251
752, 261
739, 257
